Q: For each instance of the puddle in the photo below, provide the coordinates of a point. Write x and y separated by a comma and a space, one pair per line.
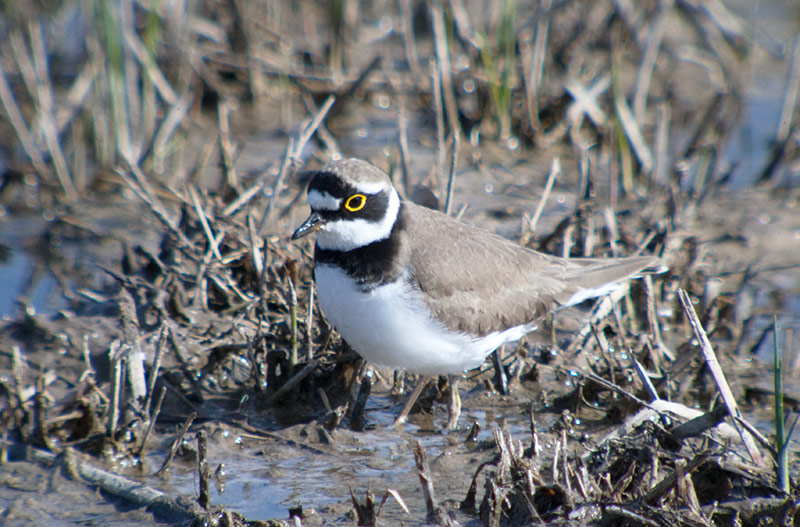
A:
264, 478
22, 273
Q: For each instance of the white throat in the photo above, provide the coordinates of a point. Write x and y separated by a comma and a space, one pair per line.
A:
345, 235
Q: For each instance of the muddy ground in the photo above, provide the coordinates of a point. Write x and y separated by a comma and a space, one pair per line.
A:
155, 260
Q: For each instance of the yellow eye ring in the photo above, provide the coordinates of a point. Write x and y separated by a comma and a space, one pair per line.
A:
355, 202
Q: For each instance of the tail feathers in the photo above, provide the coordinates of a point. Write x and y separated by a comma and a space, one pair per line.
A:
598, 277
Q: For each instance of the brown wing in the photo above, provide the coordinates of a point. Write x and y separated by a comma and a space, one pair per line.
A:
478, 282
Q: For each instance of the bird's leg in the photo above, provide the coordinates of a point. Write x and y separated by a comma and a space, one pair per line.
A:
454, 408
403, 417
399, 382
500, 377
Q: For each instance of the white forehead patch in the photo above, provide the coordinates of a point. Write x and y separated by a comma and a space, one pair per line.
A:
370, 187
323, 201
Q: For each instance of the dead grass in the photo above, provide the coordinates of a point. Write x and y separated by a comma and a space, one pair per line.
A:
150, 108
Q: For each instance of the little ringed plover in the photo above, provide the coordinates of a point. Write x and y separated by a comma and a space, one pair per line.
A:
412, 289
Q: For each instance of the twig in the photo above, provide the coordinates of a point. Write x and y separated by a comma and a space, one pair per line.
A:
310, 128
202, 468
268, 215
294, 381
40, 413
534, 77
461, 18
602, 308
255, 250
443, 67
176, 443
652, 318
167, 128
451, 180
157, 502
132, 350
245, 197
149, 66
161, 347
403, 416
227, 148
634, 133
153, 418
201, 214
357, 415
585, 101
640, 371
426, 480
790, 94
44, 92
406, 12
145, 193
310, 322
698, 425
671, 479
293, 321
661, 161
402, 139
116, 387
555, 172
17, 121
718, 376
438, 106
645, 73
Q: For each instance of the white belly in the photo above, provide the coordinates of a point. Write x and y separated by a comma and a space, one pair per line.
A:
391, 326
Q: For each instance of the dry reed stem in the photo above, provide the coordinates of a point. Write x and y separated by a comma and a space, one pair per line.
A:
150, 67
661, 161
153, 418
14, 115
719, 376
161, 348
555, 172
402, 140
443, 67
166, 129
46, 110
268, 216
438, 106
203, 470
465, 32
536, 71
293, 381
410, 44
645, 73
669, 482
585, 101
451, 180
790, 94
226, 146
176, 443
131, 491
213, 241
634, 133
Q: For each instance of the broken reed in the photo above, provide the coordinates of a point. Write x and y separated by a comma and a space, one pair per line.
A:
782, 437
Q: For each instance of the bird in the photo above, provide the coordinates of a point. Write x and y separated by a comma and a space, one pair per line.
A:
411, 288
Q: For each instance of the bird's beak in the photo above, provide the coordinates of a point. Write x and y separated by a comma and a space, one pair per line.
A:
312, 224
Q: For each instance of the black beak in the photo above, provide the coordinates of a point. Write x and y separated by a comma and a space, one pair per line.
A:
312, 224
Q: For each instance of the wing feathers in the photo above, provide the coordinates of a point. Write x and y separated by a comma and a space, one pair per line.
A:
478, 282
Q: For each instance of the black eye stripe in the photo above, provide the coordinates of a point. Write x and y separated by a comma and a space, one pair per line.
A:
332, 184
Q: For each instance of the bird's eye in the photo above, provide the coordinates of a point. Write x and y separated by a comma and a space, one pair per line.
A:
355, 202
